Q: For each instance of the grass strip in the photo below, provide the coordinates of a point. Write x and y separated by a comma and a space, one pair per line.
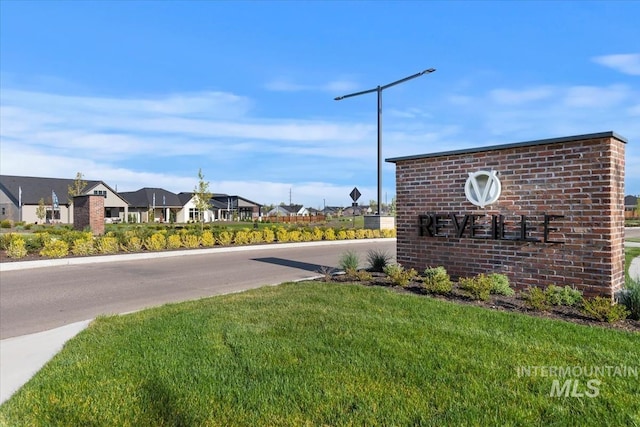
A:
327, 354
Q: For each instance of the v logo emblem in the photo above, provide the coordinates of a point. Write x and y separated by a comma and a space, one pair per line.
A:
483, 188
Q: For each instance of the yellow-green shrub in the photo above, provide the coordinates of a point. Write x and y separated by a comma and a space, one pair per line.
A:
55, 249
318, 234
306, 236
16, 247
361, 233
224, 238
268, 235
389, 232
255, 236
83, 246
329, 234
282, 235
341, 235
375, 234
190, 241
156, 242
207, 239
107, 245
294, 235
133, 244
174, 241
241, 237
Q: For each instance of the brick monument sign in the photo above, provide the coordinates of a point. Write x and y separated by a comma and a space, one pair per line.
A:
88, 212
542, 212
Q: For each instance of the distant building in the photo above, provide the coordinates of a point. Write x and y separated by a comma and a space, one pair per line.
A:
20, 197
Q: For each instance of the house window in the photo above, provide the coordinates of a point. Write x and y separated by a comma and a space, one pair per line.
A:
194, 214
102, 193
3, 211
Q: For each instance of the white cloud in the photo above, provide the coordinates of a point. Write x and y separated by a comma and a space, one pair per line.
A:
598, 97
625, 63
516, 97
284, 85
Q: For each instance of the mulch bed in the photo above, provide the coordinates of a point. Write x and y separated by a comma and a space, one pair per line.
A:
515, 303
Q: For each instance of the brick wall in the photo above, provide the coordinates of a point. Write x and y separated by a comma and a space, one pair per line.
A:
88, 212
577, 182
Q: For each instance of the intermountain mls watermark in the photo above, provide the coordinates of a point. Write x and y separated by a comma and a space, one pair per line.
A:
577, 381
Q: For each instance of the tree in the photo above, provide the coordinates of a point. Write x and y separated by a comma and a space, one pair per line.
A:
41, 210
77, 188
202, 197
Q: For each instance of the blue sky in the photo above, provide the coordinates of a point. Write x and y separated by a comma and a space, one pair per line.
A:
143, 94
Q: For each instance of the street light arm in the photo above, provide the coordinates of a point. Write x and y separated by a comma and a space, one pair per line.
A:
379, 88
430, 70
355, 94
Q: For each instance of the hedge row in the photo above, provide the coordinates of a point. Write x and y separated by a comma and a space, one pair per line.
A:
82, 243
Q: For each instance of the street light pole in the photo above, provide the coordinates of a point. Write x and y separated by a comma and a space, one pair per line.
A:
379, 90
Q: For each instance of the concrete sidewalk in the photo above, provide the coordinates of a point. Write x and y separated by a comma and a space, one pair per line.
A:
21, 357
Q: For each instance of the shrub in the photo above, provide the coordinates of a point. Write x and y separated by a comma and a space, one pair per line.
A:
378, 259
318, 234
16, 248
349, 262
361, 275
241, 237
361, 233
437, 280
107, 245
306, 236
294, 236
133, 244
155, 242
55, 248
341, 235
329, 234
255, 236
174, 241
282, 235
83, 246
399, 275
5, 239
500, 285
630, 297
224, 238
5, 223
602, 309
536, 299
568, 296
207, 239
190, 241
268, 236
478, 287
351, 234
388, 232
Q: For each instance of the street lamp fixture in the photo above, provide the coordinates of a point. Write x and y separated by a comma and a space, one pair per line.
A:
379, 90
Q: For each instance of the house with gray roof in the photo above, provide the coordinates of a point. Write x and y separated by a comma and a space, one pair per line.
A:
153, 205
20, 197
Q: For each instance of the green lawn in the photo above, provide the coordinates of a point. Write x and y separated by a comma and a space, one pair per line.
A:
328, 354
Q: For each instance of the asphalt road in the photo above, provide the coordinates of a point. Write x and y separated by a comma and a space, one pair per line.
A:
34, 300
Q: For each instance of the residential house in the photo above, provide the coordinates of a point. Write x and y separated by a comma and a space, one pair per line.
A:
288, 210
20, 198
153, 205
631, 207
228, 208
